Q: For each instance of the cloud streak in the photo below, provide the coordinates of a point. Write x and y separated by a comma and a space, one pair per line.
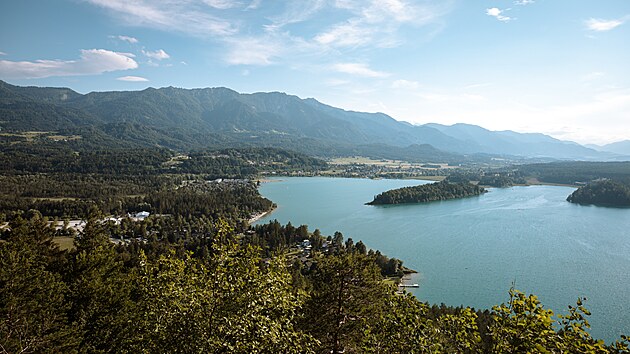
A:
358, 69
405, 84
252, 51
132, 79
131, 40
256, 32
222, 4
181, 16
377, 23
159, 54
91, 62
600, 25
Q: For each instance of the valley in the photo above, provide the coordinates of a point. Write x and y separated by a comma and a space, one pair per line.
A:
314, 177
134, 179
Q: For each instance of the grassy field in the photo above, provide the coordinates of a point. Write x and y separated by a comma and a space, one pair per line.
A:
64, 242
31, 135
364, 161
63, 137
360, 160
55, 199
394, 281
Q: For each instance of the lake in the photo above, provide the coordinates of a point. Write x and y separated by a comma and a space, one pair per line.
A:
470, 251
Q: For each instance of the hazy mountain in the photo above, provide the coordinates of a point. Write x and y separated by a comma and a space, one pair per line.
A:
184, 118
509, 142
619, 147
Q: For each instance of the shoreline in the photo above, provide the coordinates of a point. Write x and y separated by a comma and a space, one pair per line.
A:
259, 216
530, 182
266, 179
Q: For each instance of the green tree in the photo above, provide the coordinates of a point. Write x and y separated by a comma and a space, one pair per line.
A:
33, 308
231, 302
348, 295
403, 327
522, 326
100, 291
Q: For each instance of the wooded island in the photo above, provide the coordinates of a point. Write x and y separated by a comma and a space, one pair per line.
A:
428, 193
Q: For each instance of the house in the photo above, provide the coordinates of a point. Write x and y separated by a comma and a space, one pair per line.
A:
142, 215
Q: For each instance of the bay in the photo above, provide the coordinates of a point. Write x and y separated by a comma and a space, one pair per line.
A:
471, 251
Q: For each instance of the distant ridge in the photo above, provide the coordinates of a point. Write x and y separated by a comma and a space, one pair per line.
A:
195, 118
619, 147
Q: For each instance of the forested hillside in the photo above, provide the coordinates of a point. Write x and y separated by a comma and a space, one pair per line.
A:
218, 117
570, 172
64, 183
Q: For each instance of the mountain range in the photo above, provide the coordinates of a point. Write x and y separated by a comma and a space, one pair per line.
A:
211, 117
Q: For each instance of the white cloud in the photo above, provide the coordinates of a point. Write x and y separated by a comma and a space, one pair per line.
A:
253, 5
397, 10
297, 11
251, 51
599, 25
159, 54
345, 35
91, 62
132, 79
222, 4
405, 84
524, 2
131, 40
377, 23
358, 69
497, 13
338, 24
168, 15
587, 115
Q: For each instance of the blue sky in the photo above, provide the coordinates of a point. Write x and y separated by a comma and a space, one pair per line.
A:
554, 66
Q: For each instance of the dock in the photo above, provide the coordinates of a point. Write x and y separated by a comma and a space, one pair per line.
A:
409, 285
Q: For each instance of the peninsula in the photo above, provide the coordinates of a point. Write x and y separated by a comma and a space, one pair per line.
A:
602, 193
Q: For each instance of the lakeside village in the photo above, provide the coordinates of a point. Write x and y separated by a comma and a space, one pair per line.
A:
71, 227
302, 252
301, 249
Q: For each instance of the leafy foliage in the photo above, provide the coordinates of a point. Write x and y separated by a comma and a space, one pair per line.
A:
347, 297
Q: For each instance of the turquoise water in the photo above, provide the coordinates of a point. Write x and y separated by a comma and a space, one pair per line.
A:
470, 251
